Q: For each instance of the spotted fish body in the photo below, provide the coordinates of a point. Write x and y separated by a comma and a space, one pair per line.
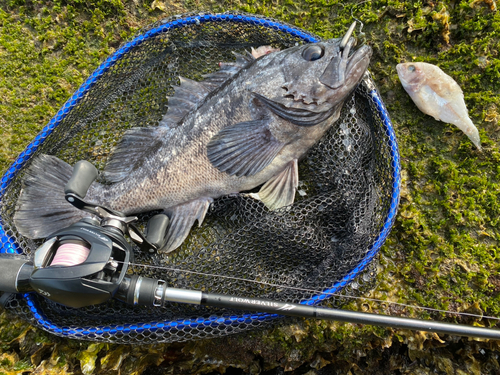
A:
241, 127
437, 94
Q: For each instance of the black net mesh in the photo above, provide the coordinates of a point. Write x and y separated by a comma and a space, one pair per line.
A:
343, 200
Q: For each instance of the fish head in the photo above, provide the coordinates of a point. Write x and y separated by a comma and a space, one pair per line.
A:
319, 76
411, 75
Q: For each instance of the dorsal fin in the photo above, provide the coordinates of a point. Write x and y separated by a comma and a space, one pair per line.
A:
186, 98
135, 143
190, 94
229, 69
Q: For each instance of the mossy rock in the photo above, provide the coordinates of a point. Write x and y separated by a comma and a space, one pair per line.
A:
443, 250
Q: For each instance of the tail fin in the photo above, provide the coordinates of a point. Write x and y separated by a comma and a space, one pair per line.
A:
41, 208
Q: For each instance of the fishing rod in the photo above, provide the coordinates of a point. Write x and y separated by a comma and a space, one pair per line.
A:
86, 264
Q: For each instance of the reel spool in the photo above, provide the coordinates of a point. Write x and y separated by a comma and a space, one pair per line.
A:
71, 253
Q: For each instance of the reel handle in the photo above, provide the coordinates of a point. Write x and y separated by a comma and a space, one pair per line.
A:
84, 173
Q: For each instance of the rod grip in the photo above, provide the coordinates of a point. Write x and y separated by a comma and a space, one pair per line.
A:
84, 173
13, 275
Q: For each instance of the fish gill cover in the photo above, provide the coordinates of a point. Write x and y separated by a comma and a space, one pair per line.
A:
344, 208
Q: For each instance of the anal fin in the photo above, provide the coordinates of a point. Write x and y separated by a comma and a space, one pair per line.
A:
279, 191
182, 218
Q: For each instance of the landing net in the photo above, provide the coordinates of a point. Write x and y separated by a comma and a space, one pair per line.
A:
345, 204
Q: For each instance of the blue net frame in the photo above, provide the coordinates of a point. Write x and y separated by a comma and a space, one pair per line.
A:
34, 309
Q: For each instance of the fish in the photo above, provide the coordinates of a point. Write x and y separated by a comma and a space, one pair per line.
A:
438, 95
243, 126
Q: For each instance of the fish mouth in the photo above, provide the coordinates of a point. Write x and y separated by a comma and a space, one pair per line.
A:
346, 68
403, 74
400, 70
359, 61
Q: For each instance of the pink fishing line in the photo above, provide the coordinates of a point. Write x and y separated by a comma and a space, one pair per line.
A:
70, 254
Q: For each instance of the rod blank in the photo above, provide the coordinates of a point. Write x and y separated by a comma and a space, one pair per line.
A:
293, 309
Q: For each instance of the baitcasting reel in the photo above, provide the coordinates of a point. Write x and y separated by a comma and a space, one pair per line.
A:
86, 263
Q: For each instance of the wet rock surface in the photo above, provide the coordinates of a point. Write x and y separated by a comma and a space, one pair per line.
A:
442, 252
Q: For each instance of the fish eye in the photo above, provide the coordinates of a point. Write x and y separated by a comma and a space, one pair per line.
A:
411, 68
313, 52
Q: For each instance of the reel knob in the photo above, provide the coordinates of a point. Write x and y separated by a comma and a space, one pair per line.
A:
84, 173
157, 229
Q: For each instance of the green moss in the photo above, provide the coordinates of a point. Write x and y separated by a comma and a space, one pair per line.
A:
22, 366
88, 357
444, 249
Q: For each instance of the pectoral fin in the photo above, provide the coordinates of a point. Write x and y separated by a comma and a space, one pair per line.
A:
280, 190
243, 149
182, 218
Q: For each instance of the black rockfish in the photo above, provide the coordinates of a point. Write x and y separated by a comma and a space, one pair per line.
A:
243, 126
